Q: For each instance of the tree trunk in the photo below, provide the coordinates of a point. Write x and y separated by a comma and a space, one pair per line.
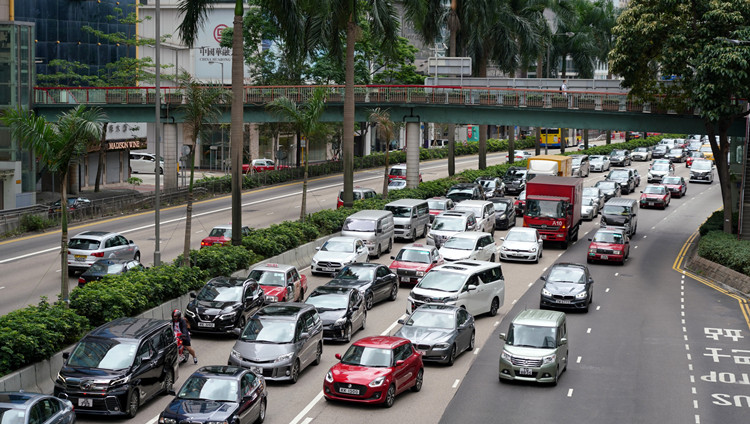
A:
563, 140
538, 141
453, 26
385, 173
609, 137
483, 146
720, 151
511, 145
348, 141
64, 289
236, 130
99, 166
303, 208
586, 139
189, 208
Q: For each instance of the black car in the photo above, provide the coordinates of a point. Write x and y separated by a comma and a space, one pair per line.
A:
342, 310
659, 151
505, 212
119, 366
623, 176
677, 155
567, 285
104, 267
219, 394
609, 188
465, 191
620, 157
224, 304
374, 281
515, 180
493, 186
74, 204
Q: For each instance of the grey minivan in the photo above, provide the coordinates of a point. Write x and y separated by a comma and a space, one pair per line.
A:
375, 228
410, 217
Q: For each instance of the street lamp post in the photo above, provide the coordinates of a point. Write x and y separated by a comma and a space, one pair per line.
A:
222, 69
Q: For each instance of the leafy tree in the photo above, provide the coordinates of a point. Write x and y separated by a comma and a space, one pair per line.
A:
703, 45
57, 145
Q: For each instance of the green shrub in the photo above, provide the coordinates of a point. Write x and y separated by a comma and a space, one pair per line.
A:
221, 260
725, 249
36, 333
715, 222
35, 223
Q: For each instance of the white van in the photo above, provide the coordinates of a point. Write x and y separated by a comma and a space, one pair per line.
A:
478, 286
411, 218
144, 163
483, 210
374, 227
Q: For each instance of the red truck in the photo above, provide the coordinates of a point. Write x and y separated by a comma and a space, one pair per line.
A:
553, 206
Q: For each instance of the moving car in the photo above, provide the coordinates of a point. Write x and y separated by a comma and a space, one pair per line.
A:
624, 177
374, 370
676, 185
522, 244
398, 172
336, 253
223, 304
493, 186
707, 151
581, 165
610, 189
396, 185
655, 196
342, 310
35, 408
594, 193
448, 223
465, 191
484, 212
599, 163
505, 212
515, 180
620, 157
145, 163
439, 332
413, 261
641, 154
89, 246
221, 235
519, 155
103, 267
262, 165
469, 245
659, 151
375, 282
358, 193
589, 208
702, 171
621, 213
520, 203
280, 283
676, 155
609, 244
280, 341
693, 156
659, 171
567, 285
219, 394
439, 205
74, 204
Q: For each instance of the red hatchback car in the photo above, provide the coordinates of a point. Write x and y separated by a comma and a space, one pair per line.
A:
609, 244
221, 235
375, 370
655, 195
414, 261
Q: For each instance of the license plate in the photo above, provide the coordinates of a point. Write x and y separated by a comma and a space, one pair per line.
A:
605, 257
525, 371
328, 269
651, 203
348, 391
564, 302
206, 324
257, 370
405, 279
86, 402
80, 258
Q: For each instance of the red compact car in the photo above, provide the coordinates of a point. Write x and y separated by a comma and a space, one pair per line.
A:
520, 203
374, 370
280, 283
676, 185
693, 156
655, 195
413, 261
609, 244
262, 165
439, 205
398, 172
221, 235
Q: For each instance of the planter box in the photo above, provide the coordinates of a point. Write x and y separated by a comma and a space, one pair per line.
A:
535, 101
611, 105
135, 97
174, 98
359, 97
150, 98
418, 98
115, 98
455, 98
586, 104
335, 98
487, 99
559, 102
510, 100
635, 107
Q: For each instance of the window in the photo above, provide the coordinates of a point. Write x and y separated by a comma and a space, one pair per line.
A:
248, 382
146, 351
423, 209
402, 353
167, 337
382, 272
461, 317
471, 281
309, 318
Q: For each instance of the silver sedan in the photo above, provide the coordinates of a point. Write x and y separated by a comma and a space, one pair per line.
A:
440, 332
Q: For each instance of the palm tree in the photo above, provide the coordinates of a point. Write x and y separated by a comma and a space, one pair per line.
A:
305, 118
200, 110
57, 145
195, 12
386, 127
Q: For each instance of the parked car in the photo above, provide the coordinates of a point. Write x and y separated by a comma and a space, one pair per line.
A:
145, 163
103, 267
89, 246
375, 282
74, 204
439, 205
279, 282
469, 245
342, 310
396, 185
568, 286
413, 261
505, 212
359, 193
522, 244
35, 408
493, 186
223, 304
609, 244
219, 394
221, 235
439, 332
336, 253
374, 370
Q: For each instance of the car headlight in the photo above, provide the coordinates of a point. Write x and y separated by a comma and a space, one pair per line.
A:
420, 273
189, 313
533, 249
377, 382
60, 378
429, 236
329, 376
549, 359
501, 216
119, 381
441, 346
506, 356
407, 226
163, 420
284, 357
546, 292
272, 298
582, 295
503, 248
650, 175
228, 315
235, 354
370, 243
339, 322
592, 251
314, 262
450, 299
617, 252
217, 422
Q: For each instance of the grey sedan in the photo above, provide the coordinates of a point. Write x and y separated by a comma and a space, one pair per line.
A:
28, 408
440, 332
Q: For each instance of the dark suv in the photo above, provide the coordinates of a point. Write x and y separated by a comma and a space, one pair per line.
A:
224, 304
119, 366
465, 191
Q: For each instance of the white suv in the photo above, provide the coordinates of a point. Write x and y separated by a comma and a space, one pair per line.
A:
144, 163
88, 247
469, 245
483, 210
478, 286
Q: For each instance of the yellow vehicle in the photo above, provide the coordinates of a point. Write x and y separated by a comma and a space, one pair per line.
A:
551, 138
707, 152
555, 165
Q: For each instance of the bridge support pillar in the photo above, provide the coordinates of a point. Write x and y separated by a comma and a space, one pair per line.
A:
412, 154
169, 152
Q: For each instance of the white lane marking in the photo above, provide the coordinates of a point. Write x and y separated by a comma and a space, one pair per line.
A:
685, 336
560, 254
455, 384
29, 254
531, 284
645, 236
514, 301
682, 313
687, 346
588, 331
199, 231
598, 307
545, 268
617, 274
476, 351
697, 419
635, 247
307, 409
689, 357
307, 420
682, 293
692, 379
690, 367
682, 300
271, 213
496, 323
607, 290
695, 403
153, 420
683, 322
682, 306
2, 287
570, 392
578, 361
684, 329
692, 389
388, 330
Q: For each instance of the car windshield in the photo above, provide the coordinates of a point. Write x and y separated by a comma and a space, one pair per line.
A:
460, 243
608, 237
12, 416
107, 354
268, 278
356, 273
660, 167
328, 301
671, 180
221, 232
702, 165
588, 201
705, 149
105, 268
577, 161
697, 155
641, 149
460, 194
500, 206
590, 192
526, 236
436, 204
448, 224
615, 210
83, 244
618, 174
531, 336
413, 255
442, 281
367, 357
399, 211
486, 183
220, 293
676, 152
597, 159
337, 246
655, 190
207, 388
431, 319
566, 274
476, 209
617, 153
398, 172
661, 148
397, 184
353, 224
268, 331
607, 185
545, 208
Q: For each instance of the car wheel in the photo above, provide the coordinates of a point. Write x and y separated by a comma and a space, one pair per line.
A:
261, 412
413, 234
390, 245
348, 333
390, 396
424, 231
557, 376
536, 260
492, 258
137, 256
364, 322
452, 356
368, 301
241, 323
418, 383
472, 342
378, 253
133, 403
319, 353
295, 372
168, 382
494, 306
394, 292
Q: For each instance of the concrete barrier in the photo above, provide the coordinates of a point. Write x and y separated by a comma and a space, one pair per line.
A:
11, 382
42, 374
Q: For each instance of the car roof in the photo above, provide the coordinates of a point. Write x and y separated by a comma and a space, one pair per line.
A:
284, 310
350, 239
470, 234
610, 230
523, 230
94, 234
14, 400
465, 266
277, 267
344, 291
400, 166
539, 318
227, 281
370, 214
220, 371
438, 308
128, 328
455, 214
406, 202
361, 189
568, 265
387, 342
500, 200
463, 185
223, 227
474, 203
418, 246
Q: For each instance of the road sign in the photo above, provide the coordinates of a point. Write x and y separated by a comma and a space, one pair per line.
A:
449, 66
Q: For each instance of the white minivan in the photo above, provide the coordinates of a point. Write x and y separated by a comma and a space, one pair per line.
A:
478, 286
144, 163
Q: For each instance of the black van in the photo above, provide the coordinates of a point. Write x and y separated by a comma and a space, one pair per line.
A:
119, 366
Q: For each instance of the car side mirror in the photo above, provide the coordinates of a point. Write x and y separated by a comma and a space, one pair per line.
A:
338, 356
543, 278
591, 280
66, 355
434, 261
192, 295
502, 336
563, 341
400, 362
131, 242
304, 335
401, 321
471, 287
237, 332
317, 247
393, 257
379, 231
171, 392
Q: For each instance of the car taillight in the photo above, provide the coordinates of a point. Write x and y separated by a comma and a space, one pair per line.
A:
81, 280
203, 243
98, 254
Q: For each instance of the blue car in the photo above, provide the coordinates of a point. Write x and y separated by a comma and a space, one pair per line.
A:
27, 408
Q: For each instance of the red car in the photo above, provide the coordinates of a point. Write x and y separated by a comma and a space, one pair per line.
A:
520, 203
693, 156
609, 244
359, 193
413, 261
438, 205
655, 196
280, 283
676, 185
222, 235
374, 370
262, 165
398, 172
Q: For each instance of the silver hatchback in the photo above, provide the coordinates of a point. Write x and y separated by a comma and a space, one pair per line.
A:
88, 247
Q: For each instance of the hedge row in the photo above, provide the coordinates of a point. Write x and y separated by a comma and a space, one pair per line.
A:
726, 249
37, 332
